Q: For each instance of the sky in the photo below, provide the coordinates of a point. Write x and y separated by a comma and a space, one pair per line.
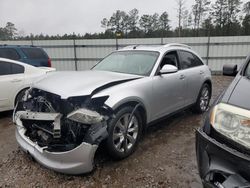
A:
80, 16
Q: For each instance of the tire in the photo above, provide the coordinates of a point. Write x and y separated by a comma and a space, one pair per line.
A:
202, 102
121, 142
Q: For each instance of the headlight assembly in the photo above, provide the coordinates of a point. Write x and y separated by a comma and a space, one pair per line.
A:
85, 116
233, 122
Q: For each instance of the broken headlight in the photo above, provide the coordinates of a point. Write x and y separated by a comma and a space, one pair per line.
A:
233, 122
85, 116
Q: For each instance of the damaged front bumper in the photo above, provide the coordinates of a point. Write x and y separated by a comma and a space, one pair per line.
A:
78, 160
219, 165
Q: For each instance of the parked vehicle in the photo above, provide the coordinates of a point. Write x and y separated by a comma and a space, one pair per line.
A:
223, 143
31, 55
15, 78
65, 117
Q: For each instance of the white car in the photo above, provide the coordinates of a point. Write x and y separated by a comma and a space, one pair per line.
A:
15, 78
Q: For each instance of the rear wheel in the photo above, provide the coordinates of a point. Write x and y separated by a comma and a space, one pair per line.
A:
203, 99
124, 133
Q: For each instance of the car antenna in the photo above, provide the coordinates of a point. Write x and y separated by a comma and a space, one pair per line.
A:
135, 47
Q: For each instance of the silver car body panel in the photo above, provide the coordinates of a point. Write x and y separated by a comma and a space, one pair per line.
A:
71, 83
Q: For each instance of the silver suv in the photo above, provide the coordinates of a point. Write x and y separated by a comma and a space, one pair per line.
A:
63, 118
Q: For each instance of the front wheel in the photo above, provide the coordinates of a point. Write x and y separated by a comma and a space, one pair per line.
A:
124, 133
203, 99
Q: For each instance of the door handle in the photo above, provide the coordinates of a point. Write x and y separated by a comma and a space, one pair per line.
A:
182, 77
201, 72
16, 80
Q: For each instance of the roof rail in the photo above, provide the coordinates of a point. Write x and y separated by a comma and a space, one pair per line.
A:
177, 44
133, 46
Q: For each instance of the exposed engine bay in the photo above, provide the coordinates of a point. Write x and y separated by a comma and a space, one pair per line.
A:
57, 124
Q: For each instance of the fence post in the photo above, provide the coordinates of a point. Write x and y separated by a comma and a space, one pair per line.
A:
75, 58
116, 43
208, 48
161, 40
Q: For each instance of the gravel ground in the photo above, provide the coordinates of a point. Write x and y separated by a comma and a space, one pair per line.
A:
165, 157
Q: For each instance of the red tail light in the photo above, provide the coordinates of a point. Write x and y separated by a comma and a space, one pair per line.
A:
49, 62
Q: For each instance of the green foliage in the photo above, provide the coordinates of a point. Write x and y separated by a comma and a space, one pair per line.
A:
9, 32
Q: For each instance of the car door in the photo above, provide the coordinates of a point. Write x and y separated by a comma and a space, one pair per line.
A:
11, 79
168, 89
192, 71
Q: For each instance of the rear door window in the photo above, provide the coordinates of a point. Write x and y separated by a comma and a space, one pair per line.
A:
7, 68
9, 53
188, 60
34, 53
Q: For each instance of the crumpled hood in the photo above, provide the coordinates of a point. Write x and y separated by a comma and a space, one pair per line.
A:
240, 95
80, 83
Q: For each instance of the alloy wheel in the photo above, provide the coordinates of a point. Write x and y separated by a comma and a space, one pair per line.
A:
125, 132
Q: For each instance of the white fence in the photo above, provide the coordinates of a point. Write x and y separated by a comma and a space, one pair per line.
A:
83, 54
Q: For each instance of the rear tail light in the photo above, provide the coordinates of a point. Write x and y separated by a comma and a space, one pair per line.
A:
49, 62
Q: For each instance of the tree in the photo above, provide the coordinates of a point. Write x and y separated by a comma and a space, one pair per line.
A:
207, 26
246, 8
145, 23
185, 20
118, 22
10, 30
154, 21
233, 11
200, 9
105, 23
246, 19
164, 22
219, 13
149, 23
246, 25
190, 20
180, 10
133, 19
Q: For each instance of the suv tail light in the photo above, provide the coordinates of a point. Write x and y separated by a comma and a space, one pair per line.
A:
49, 62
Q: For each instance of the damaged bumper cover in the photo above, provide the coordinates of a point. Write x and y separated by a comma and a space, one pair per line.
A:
220, 165
78, 160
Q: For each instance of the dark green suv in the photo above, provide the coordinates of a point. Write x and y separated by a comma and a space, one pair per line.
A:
28, 54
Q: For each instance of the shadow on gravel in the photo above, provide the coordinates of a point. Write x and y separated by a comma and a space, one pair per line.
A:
6, 114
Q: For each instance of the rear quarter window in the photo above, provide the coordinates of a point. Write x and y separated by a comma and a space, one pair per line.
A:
9, 53
34, 53
5, 68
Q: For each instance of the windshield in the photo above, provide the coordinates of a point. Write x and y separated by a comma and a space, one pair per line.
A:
130, 62
247, 72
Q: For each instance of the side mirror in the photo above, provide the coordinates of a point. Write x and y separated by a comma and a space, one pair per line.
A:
230, 70
167, 69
